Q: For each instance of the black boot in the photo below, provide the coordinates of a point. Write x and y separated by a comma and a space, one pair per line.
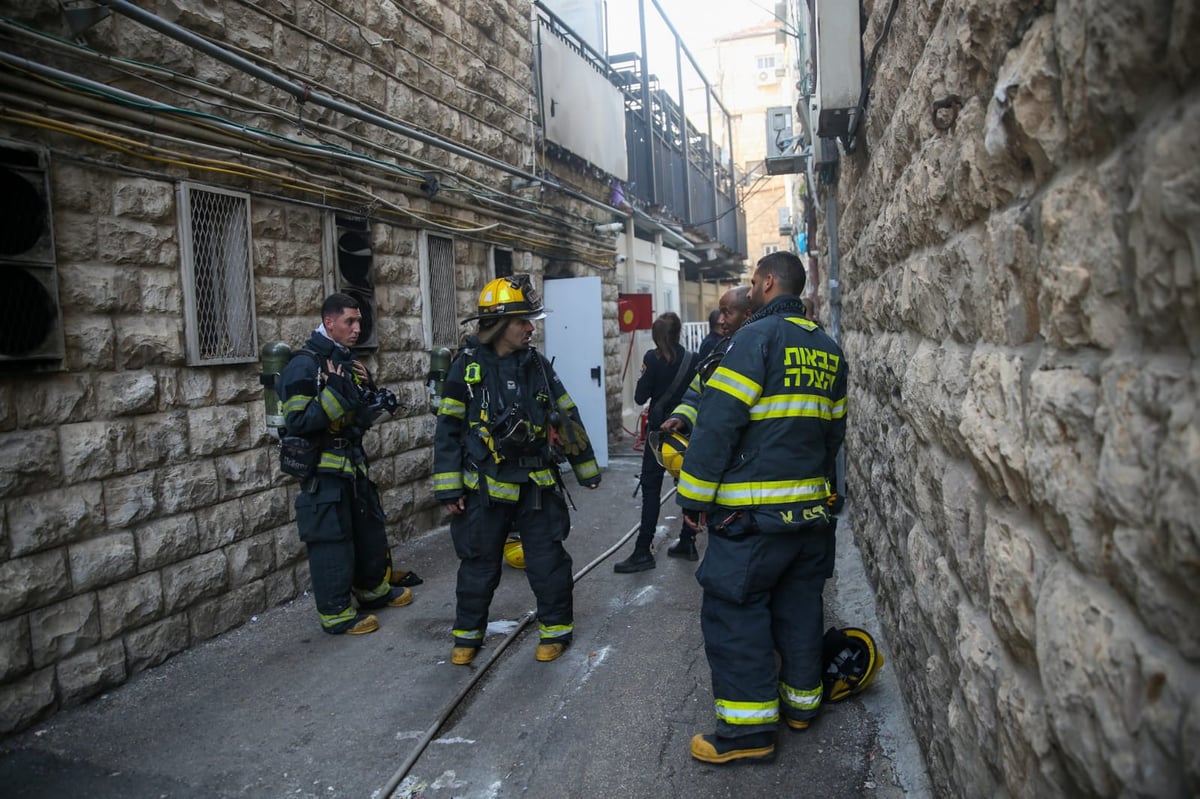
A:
684, 548
640, 561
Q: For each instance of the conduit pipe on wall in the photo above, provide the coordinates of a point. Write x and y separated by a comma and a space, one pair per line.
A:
234, 136
304, 94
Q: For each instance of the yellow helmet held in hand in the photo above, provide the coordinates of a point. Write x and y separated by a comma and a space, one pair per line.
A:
514, 553
507, 297
668, 447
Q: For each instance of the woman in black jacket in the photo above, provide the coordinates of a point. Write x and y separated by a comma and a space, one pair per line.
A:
666, 372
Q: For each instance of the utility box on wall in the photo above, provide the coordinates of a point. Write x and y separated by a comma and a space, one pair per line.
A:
781, 150
839, 67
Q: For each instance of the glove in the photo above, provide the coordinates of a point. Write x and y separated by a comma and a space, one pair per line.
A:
344, 387
571, 438
695, 519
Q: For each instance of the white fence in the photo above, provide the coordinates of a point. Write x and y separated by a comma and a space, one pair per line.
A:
693, 334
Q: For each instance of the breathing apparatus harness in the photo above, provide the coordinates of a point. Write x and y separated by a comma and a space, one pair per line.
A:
513, 426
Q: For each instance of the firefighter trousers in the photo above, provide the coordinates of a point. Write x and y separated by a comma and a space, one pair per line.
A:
541, 515
341, 523
762, 596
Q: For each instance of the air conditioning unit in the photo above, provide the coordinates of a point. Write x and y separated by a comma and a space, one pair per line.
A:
766, 76
30, 319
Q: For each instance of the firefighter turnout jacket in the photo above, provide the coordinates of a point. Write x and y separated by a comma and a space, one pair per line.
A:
495, 426
769, 424
327, 408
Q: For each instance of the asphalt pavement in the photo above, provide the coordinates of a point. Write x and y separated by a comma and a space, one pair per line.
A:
276, 708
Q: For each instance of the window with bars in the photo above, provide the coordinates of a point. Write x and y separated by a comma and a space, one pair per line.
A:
770, 248
441, 319
218, 275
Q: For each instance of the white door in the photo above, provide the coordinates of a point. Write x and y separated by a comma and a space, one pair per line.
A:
574, 333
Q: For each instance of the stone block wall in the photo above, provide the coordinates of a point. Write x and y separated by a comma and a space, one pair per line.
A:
141, 506
1021, 312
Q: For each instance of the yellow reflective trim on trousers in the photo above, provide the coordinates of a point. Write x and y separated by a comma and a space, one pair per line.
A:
330, 404
452, 408
375, 593
732, 712
505, 492
331, 620
296, 402
733, 384
447, 481
586, 469
543, 477
555, 630
695, 488
800, 321
800, 699
770, 492
783, 406
839, 409
470, 635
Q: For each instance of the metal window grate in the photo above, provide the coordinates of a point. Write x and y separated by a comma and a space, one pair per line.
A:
444, 321
218, 275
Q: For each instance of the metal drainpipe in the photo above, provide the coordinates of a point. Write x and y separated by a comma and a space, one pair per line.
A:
630, 255
305, 94
835, 304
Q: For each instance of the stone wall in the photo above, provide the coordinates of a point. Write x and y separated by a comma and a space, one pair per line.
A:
141, 507
1021, 275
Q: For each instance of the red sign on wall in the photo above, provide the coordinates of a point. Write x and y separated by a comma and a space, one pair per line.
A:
635, 312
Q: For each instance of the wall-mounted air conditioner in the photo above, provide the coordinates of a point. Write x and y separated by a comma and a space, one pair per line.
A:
30, 319
839, 67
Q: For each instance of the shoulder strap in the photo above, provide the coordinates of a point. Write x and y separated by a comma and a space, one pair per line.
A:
684, 365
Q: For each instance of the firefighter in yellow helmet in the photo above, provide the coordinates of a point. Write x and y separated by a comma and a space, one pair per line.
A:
504, 424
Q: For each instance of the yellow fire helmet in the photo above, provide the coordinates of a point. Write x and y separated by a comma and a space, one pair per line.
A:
514, 553
668, 447
507, 297
851, 662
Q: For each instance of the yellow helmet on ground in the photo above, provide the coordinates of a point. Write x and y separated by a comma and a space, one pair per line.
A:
668, 447
514, 553
851, 662
508, 297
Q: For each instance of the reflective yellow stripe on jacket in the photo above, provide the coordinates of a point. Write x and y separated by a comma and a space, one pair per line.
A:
453, 408
735, 385
749, 494
496, 489
782, 406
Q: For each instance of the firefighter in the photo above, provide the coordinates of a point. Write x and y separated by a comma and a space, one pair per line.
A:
733, 309
771, 419
327, 397
505, 421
